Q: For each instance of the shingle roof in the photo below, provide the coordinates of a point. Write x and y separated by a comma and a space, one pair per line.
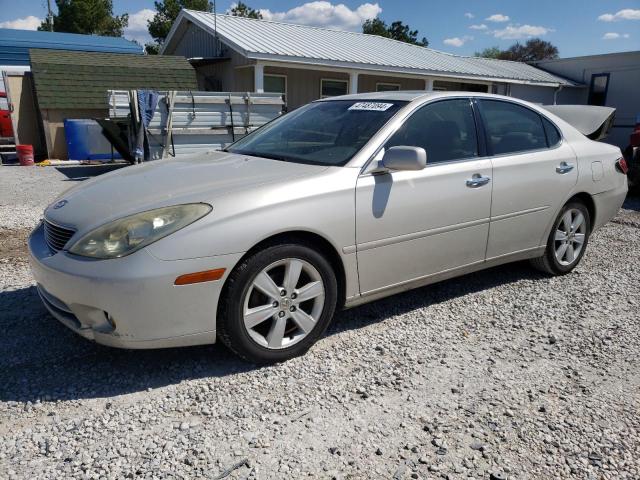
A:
15, 44
268, 40
81, 80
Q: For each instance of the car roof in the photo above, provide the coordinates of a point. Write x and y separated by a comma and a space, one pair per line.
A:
411, 95
405, 95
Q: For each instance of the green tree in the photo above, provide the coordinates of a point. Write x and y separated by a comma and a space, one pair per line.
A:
402, 32
241, 9
489, 52
92, 17
533, 50
397, 31
375, 26
166, 13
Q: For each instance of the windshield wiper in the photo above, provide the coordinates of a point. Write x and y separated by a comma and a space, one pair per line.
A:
262, 155
273, 157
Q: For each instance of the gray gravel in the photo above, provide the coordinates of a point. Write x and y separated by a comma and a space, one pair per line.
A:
500, 374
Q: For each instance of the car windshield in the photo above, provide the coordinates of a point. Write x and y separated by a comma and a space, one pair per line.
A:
323, 133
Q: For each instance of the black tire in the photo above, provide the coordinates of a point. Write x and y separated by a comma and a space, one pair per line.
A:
230, 324
548, 263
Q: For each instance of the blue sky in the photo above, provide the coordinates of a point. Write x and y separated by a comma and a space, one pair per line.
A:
457, 26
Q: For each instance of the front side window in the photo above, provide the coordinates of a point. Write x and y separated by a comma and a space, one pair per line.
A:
445, 129
322, 133
512, 128
598, 89
333, 88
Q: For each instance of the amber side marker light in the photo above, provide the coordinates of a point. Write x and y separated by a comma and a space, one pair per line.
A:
198, 277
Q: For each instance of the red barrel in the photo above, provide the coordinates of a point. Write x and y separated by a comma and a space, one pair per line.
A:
25, 154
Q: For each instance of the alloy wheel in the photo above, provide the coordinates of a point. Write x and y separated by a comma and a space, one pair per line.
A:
283, 303
569, 237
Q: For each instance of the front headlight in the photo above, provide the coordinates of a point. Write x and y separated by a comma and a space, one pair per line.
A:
126, 235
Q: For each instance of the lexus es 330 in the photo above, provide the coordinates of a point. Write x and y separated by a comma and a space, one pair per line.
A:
337, 203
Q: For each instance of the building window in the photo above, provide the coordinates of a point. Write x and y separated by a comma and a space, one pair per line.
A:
598, 89
441, 85
275, 84
387, 87
330, 87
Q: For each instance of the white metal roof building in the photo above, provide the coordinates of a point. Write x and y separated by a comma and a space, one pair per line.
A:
240, 52
610, 80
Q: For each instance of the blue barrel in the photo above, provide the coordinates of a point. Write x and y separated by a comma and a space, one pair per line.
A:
85, 140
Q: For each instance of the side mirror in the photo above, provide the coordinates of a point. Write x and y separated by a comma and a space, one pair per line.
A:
405, 158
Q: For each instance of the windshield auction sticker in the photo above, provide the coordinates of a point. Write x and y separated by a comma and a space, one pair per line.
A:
374, 106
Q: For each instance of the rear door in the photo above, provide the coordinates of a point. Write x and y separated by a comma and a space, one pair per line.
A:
533, 172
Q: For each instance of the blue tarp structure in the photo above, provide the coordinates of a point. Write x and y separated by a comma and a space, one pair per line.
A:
15, 44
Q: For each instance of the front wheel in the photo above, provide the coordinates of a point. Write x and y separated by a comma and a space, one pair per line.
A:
567, 241
277, 303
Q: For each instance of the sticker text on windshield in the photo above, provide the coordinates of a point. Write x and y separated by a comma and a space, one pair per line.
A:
374, 106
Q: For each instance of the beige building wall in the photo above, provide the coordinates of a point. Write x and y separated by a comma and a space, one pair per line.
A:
622, 89
228, 74
26, 123
244, 79
53, 121
303, 86
215, 77
369, 83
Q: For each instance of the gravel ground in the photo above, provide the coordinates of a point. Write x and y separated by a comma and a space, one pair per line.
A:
500, 374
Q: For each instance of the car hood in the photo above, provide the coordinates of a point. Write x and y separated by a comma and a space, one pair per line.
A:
161, 183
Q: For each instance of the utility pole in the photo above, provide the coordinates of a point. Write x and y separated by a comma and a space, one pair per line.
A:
50, 16
215, 28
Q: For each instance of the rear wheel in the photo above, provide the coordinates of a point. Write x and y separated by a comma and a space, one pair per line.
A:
567, 241
277, 303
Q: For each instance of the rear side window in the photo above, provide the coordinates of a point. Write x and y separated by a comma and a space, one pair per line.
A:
511, 128
553, 135
445, 129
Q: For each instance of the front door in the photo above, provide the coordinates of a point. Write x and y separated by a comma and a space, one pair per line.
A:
413, 224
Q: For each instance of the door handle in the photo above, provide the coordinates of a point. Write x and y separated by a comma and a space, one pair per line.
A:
564, 167
477, 181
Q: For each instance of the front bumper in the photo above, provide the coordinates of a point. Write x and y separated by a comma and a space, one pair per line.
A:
135, 293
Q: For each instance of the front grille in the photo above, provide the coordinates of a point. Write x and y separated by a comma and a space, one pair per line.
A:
56, 236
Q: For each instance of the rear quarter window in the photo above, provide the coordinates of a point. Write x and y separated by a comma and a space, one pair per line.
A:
553, 135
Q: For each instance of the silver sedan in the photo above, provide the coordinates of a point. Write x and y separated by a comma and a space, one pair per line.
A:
337, 203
